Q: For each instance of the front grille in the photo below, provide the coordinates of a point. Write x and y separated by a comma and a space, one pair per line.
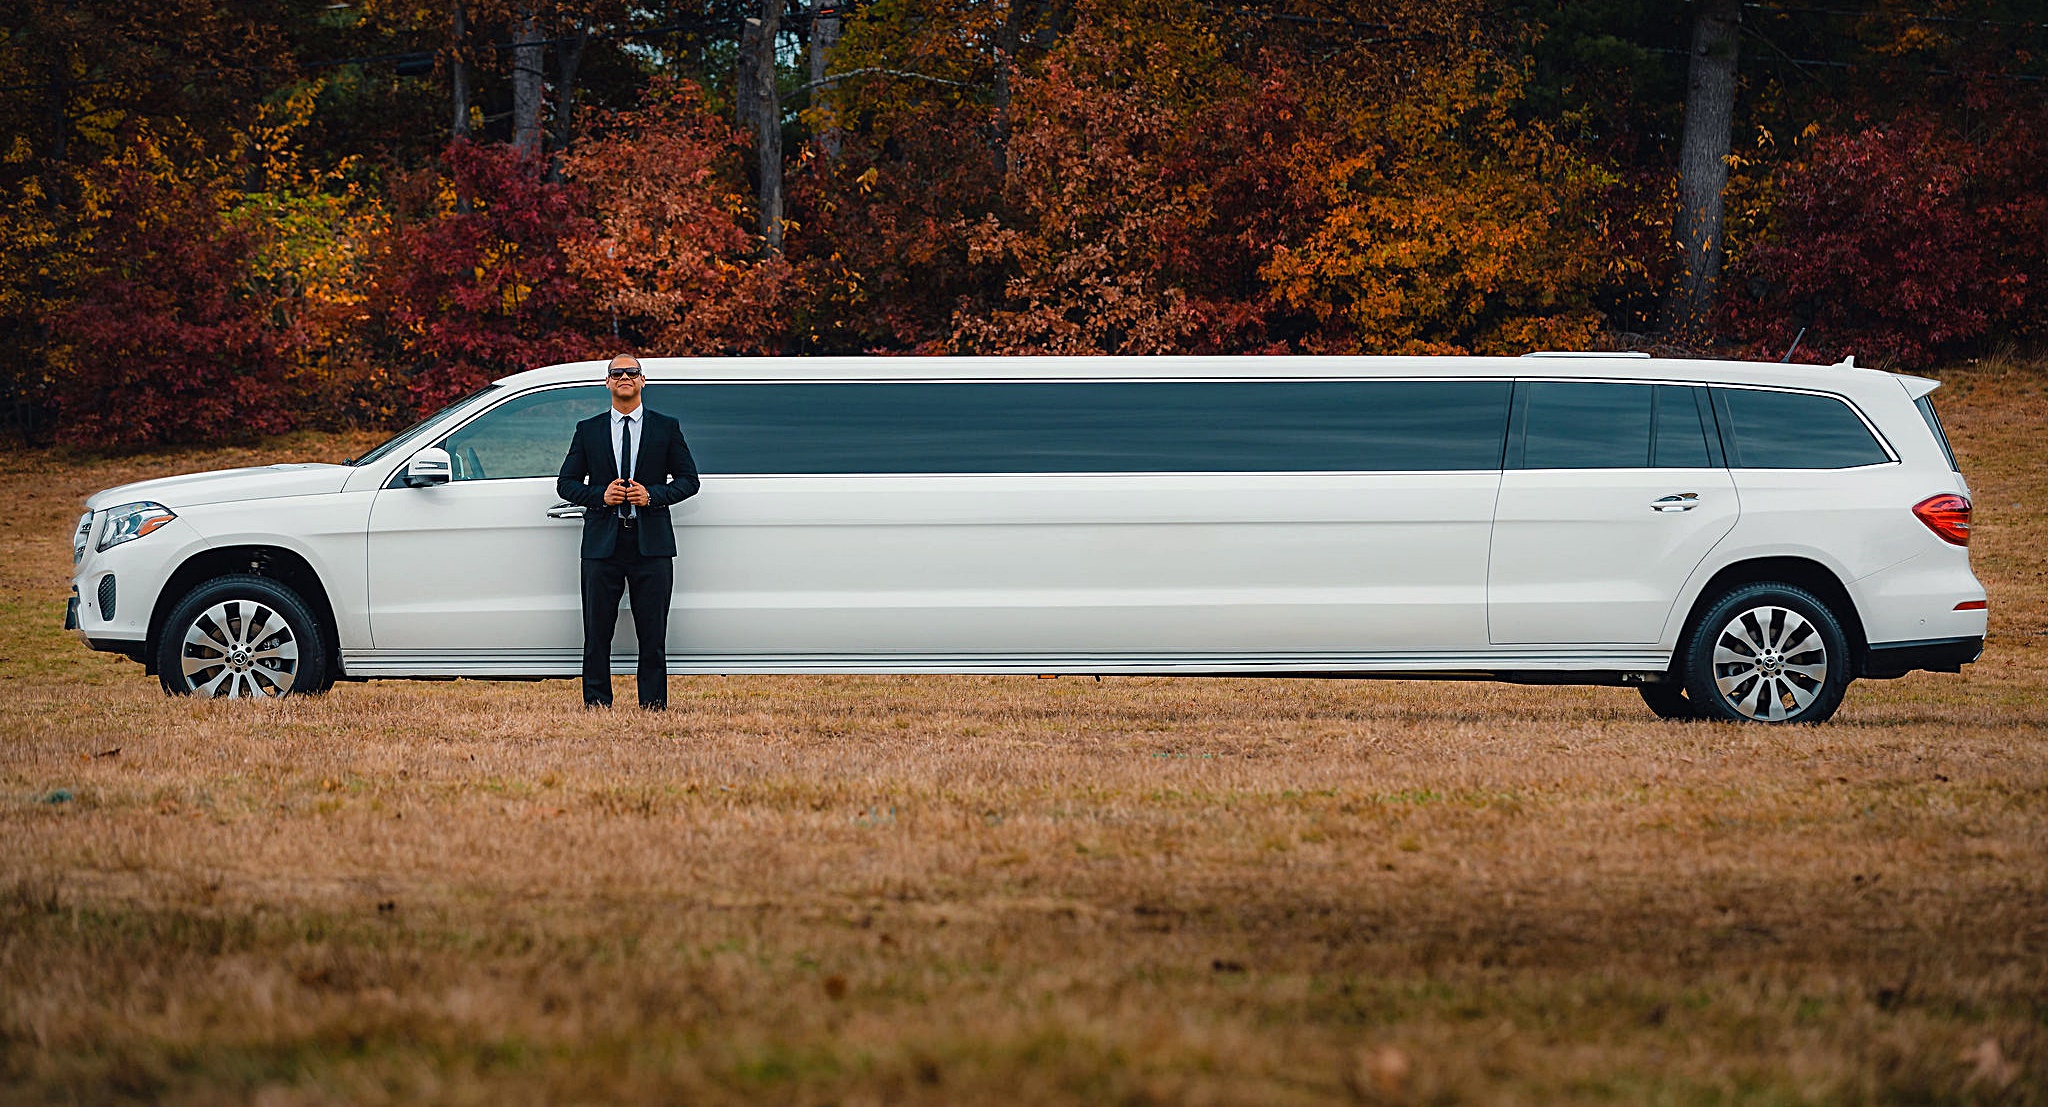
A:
107, 597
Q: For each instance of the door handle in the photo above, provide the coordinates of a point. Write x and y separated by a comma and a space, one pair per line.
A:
1684, 501
566, 510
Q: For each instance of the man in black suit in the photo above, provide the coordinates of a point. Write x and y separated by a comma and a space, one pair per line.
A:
628, 542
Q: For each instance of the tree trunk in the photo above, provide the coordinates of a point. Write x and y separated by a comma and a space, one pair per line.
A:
1703, 166
760, 107
458, 72
824, 105
528, 80
569, 59
1007, 40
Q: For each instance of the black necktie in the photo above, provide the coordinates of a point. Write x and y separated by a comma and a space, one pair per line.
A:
626, 459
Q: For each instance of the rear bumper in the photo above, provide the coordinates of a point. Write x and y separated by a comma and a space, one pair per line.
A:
1885, 660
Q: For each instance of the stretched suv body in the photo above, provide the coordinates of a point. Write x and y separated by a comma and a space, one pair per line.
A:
1740, 539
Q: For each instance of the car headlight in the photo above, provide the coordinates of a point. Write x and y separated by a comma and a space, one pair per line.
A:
131, 521
80, 537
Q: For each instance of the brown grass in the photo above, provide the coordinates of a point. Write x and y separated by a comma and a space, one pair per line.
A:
947, 890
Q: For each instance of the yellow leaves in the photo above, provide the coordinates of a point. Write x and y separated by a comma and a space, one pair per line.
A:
1451, 228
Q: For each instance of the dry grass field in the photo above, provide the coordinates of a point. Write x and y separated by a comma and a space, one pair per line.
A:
837, 890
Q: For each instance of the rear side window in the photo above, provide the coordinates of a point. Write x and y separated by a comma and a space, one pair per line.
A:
1793, 430
1926, 406
1089, 426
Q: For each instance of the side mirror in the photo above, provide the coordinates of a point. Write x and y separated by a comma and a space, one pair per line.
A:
428, 467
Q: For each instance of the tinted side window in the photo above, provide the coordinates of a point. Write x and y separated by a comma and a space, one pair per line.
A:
1794, 430
1933, 421
1089, 426
1681, 432
524, 437
1587, 425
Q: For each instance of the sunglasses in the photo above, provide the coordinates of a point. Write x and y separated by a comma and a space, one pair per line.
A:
624, 371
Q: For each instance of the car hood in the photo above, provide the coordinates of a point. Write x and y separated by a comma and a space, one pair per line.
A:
255, 483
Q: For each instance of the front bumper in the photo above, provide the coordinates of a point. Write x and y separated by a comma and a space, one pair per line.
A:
1884, 660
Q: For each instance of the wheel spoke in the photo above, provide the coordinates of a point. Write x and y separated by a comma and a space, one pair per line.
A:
1815, 673
1725, 656
1767, 705
193, 666
212, 687
1735, 686
257, 628
206, 634
1747, 633
278, 682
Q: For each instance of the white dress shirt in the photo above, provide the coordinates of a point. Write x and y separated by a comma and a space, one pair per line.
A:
620, 420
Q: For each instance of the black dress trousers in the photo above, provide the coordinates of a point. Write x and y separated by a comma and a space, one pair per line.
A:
649, 580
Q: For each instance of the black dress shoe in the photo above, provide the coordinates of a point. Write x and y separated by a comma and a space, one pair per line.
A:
658, 705
594, 704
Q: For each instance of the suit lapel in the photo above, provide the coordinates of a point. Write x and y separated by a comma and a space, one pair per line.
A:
601, 432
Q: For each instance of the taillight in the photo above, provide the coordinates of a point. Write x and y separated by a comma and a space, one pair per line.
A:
1947, 515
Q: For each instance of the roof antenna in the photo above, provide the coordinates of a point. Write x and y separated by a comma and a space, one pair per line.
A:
1794, 346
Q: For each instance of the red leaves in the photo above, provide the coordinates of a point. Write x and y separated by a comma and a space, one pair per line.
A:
162, 341
468, 296
1903, 241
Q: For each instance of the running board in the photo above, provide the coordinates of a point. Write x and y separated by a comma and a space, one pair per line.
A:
1581, 666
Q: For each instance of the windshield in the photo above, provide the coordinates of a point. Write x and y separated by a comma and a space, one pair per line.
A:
418, 430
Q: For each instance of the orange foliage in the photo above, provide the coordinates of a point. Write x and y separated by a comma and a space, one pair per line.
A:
1451, 226
668, 247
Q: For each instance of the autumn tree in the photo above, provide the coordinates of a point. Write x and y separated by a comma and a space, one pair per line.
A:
467, 296
161, 338
666, 250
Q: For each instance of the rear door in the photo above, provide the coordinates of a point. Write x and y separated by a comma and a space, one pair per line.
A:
1613, 493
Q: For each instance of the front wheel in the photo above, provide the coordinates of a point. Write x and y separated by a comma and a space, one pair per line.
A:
1768, 653
242, 637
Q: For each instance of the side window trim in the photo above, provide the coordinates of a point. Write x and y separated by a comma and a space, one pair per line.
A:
1515, 453
1711, 422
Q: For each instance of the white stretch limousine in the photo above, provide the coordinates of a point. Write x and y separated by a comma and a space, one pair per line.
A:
1739, 540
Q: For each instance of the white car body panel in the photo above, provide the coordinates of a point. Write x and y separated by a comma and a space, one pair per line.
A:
1264, 572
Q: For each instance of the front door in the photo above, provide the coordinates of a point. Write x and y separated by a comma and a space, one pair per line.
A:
478, 566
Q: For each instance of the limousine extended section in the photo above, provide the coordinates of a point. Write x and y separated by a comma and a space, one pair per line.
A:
1738, 540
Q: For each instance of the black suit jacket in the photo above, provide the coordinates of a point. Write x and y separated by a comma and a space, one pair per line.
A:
662, 462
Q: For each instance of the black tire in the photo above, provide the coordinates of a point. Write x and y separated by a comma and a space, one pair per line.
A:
1668, 701
212, 627
1786, 659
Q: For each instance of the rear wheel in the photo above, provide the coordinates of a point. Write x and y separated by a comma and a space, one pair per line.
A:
1668, 701
242, 637
1767, 653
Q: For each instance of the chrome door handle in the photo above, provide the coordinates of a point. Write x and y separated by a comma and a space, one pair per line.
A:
566, 510
1684, 501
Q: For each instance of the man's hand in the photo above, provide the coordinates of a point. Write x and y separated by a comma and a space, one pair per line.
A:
636, 494
615, 493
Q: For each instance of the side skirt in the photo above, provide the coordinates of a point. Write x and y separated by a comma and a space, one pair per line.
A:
1536, 667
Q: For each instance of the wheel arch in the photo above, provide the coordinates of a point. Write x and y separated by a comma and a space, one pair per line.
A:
1800, 572
278, 563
